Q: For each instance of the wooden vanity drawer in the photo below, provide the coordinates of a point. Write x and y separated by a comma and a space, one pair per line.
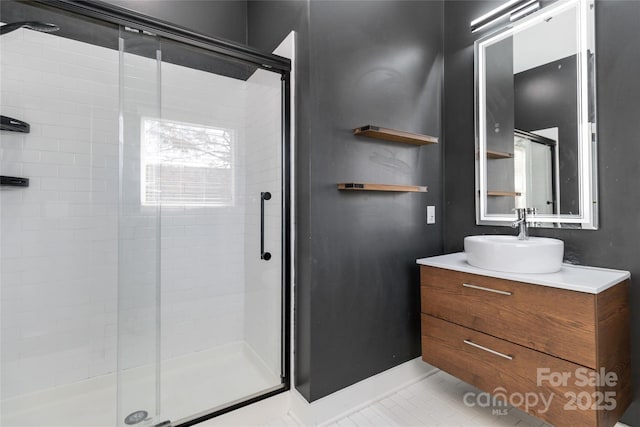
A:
554, 321
454, 349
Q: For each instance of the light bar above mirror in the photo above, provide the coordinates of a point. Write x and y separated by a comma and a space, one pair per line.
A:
514, 9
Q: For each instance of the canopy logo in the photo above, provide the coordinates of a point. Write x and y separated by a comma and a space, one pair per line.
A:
582, 398
499, 401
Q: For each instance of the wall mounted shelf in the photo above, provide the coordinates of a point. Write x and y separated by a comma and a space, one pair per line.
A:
492, 154
394, 135
13, 181
503, 193
13, 125
354, 186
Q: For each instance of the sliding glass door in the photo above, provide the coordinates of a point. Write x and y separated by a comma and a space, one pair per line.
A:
201, 231
139, 239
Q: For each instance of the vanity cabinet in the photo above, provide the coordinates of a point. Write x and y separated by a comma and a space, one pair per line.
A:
563, 337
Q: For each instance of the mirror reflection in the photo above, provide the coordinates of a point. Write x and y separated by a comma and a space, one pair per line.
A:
534, 118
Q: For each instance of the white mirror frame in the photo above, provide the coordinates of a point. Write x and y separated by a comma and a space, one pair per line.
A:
587, 137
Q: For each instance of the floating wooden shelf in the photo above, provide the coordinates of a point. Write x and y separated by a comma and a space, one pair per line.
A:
492, 154
353, 186
504, 193
395, 135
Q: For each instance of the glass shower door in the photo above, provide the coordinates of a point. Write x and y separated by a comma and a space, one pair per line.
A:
201, 232
218, 145
139, 277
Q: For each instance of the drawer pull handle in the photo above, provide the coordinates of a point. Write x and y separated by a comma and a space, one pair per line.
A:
466, 285
497, 353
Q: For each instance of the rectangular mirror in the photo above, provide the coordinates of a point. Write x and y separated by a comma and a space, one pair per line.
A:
536, 119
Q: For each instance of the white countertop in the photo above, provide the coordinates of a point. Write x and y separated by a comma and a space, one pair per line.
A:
579, 278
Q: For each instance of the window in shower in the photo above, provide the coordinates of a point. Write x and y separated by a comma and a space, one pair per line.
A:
186, 164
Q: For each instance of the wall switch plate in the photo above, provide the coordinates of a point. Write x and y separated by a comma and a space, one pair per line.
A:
431, 214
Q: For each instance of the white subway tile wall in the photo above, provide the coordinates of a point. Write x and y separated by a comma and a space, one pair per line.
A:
59, 236
203, 246
263, 304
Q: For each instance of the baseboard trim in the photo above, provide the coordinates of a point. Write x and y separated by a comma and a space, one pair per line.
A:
359, 395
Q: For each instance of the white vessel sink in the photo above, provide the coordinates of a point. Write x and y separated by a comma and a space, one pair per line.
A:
508, 254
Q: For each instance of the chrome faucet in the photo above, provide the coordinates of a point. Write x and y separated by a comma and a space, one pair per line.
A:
521, 222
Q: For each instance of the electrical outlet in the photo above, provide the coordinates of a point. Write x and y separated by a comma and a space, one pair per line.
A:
431, 214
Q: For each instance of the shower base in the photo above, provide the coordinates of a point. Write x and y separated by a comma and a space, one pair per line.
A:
189, 385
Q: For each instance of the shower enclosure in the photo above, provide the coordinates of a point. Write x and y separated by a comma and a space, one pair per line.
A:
144, 220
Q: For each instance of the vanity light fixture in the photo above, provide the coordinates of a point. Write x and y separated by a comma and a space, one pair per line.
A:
515, 9
524, 11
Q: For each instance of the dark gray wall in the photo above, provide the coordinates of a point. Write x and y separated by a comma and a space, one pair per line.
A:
225, 19
357, 293
615, 244
270, 21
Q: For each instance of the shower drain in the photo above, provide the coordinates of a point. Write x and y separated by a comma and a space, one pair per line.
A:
136, 417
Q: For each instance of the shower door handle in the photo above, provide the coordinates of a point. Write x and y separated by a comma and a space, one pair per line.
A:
265, 195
